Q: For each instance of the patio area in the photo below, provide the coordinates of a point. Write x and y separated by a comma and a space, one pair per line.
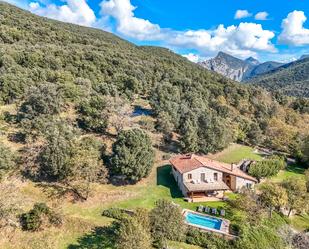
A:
203, 191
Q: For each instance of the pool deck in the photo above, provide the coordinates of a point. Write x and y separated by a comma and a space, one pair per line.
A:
224, 229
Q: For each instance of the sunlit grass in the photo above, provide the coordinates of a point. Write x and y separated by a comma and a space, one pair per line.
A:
300, 222
291, 171
235, 153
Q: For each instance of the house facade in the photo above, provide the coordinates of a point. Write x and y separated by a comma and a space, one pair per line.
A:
199, 176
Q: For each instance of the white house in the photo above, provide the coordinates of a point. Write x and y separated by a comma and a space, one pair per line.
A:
199, 176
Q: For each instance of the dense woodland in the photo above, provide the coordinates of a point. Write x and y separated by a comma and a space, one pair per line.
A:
72, 88
83, 66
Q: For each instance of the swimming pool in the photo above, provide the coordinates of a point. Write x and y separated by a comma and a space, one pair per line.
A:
203, 221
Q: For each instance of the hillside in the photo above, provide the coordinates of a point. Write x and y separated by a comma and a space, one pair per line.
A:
264, 68
291, 79
84, 64
30, 43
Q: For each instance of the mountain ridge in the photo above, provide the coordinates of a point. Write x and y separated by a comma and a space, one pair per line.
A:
238, 69
291, 78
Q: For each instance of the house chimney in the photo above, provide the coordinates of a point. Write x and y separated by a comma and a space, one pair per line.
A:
233, 165
189, 156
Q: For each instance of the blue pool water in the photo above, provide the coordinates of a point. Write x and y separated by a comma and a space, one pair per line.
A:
204, 221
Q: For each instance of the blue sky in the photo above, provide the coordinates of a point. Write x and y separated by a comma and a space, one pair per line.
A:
197, 29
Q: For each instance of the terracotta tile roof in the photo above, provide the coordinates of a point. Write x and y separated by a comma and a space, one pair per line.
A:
186, 163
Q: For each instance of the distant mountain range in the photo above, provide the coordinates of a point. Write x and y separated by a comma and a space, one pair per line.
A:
237, 69
291, 79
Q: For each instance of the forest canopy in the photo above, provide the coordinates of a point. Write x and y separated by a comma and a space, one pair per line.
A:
47, 66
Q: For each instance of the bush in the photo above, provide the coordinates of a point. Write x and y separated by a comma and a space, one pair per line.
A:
205, 240
260, 237
39, 216
46, 99
115, 213
7, 160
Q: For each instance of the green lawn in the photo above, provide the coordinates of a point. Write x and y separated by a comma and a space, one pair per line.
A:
291, 171
300, 222
179, 245
165, 187
235, 153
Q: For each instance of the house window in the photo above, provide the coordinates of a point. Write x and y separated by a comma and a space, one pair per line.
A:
248, 185
216, 176
203, 177
189, 176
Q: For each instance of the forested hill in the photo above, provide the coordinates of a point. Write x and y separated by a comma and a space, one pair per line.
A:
83, 66
290, 79
30, 43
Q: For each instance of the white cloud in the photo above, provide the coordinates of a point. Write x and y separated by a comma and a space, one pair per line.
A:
192, 57
243, 40
293, 31
261, 16
127, 24
74, 11
242, 14
34, 5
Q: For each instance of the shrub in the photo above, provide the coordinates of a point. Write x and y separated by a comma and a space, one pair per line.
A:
46, 99
7, 161
38, 216
115, 213
205, 240
260, 237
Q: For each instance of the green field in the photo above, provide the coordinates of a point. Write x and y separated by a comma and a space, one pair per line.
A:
235, 153
291, 171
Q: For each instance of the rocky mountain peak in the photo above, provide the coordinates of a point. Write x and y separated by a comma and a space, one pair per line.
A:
252, 61
305, 56
237, 69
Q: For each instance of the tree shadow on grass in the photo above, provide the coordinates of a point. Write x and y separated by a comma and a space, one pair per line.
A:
99, 238
295, 168
166, 179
